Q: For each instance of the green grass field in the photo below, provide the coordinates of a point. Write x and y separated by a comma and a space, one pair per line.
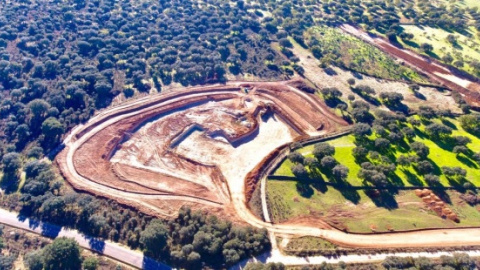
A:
356, 211
286, 204
439, 156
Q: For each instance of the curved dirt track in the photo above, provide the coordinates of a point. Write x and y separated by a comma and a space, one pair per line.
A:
147, 202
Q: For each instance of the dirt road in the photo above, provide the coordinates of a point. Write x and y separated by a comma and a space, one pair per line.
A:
428, 238
444, 75
105, 248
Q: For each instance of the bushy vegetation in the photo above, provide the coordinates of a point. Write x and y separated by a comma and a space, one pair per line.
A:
59, 62
456, 261
332, 46
190, 240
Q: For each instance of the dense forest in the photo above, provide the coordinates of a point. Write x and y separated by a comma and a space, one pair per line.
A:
60, 61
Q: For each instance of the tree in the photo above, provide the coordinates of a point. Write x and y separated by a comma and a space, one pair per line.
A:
382, 144
460, 149
426, 47
154, 238
299, 171
420, 149
331, 94
361, 130
470, 122
452, 39
391, 99
362, 115
454, 172
328, 162
438, 131
426, 112
360, 153
285, 42
424, 167
409, 133
432, 180
476, 157
52, 130
34, 260
340, 172
296, 157
403, 161
90, 263
321, 150
39, 108
62, 253
11, 162
6, 262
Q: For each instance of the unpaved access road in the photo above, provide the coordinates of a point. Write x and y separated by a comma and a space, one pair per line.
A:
446, 76
105, 248
427, 238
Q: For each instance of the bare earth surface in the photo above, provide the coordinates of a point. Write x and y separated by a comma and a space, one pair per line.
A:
448, 77
197, 147
189, 148
317, 75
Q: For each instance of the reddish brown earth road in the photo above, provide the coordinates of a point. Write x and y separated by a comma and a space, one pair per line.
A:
436, 71
147, 201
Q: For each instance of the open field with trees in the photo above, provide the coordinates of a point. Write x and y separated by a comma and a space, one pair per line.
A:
62, 62
453, 48
334, 47
363, 182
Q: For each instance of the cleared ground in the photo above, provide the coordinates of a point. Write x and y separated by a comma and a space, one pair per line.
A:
323, 79
435, 71
190, 148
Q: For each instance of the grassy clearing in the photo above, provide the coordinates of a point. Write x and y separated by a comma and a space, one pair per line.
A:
466, 49
354, 211
286, 203
308, 243
409, 177
348, 51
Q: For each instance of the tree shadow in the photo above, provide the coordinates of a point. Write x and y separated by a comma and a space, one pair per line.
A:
330, 71
442, 194
436, 169
96, 244
412, 178
411, 43
399, 107
333, 103
383, 198
449, 124
357, 75
396, 180
433, 55
419, 95
9, 182
304, 189
350, 194
467, 161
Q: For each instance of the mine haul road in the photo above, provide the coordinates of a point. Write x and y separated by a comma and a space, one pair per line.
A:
424, 238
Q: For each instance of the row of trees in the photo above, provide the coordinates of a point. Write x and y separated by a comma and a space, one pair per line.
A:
455, 261
323, 161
